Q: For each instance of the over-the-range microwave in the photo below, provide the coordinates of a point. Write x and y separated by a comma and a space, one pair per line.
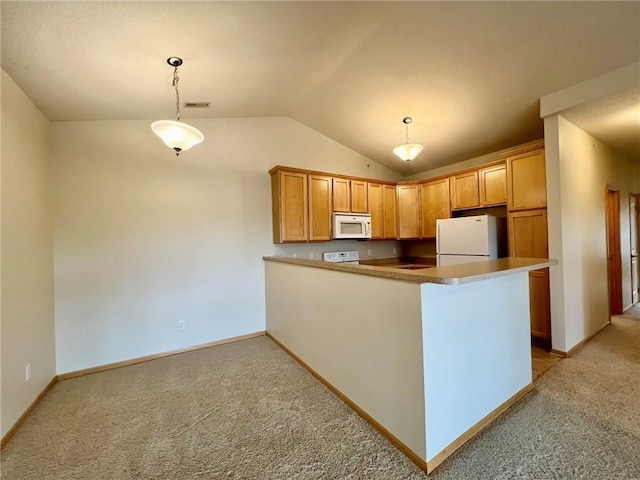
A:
351, 225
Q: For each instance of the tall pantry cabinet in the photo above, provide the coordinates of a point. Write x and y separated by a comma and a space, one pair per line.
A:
527, 225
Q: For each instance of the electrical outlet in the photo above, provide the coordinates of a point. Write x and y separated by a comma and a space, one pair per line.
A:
311, 256
394, 250
180, 324
293, 255
27, 372
369, 252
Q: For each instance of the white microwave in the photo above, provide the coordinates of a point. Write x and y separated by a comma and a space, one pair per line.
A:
352, 225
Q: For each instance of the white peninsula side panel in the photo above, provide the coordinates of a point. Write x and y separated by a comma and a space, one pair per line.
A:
476, 355
362, 334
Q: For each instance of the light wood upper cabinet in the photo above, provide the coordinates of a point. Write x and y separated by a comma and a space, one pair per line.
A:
289, 207
341, 195
376, 209
358, 196
493, 185
390, 211
465, 192
382, 207
409, 211
527, 182
349, 196
320, 208
435, 204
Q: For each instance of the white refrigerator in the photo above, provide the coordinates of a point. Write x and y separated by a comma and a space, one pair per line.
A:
466, 239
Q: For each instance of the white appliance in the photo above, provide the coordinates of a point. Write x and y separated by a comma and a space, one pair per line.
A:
466, 239
351, 225
342, 257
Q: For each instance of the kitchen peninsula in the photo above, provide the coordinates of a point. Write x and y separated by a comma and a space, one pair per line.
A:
428, 357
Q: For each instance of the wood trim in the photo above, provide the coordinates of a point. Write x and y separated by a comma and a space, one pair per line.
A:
414, 457
466, 436
279, 168
529, 148
559, 353
573, 350
23, 418
147, 358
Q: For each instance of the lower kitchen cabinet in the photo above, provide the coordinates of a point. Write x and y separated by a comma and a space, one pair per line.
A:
528, 238
540, 305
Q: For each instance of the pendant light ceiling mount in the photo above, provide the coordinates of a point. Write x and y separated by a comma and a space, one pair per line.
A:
175, 134
407, 151
175, 62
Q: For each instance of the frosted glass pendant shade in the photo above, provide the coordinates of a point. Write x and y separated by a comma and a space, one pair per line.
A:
177, 135
408, 151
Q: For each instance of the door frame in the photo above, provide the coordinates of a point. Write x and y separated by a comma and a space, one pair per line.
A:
634, 223
614, 256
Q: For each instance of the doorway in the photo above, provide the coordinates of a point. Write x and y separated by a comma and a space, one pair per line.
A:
614, 262
634, 225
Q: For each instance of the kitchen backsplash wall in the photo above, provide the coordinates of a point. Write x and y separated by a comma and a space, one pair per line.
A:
366, 249
418, 248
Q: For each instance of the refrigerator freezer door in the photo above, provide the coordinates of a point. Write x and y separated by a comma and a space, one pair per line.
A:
443, 260
475, 235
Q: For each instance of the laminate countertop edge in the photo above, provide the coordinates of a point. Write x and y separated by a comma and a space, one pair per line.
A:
449, 275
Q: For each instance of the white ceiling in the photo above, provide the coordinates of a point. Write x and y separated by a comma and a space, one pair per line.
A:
469, 73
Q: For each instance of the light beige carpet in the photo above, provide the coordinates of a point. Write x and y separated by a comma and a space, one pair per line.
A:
248, 411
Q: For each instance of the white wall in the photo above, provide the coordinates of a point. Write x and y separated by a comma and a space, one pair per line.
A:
27, 321
144, 239
366, 340
579, 169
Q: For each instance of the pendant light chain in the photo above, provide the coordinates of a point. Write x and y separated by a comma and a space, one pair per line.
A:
176, 78
406, 125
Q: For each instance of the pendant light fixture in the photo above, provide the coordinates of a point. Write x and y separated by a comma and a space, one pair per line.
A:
408, 151
176, 134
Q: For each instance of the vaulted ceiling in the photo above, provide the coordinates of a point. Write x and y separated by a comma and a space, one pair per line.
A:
469, 73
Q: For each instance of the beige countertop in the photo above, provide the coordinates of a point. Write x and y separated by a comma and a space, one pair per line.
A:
449, 275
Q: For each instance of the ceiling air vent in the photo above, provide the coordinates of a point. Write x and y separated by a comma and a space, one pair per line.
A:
197, 104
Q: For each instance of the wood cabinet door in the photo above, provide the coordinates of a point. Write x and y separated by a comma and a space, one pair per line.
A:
435, 204
341, 195
320, 208
376, 209
493, 185
293, 212
528, 233
389, 205
358, 196
528, 238
464, 190
408, 211
526, 181
540, 305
